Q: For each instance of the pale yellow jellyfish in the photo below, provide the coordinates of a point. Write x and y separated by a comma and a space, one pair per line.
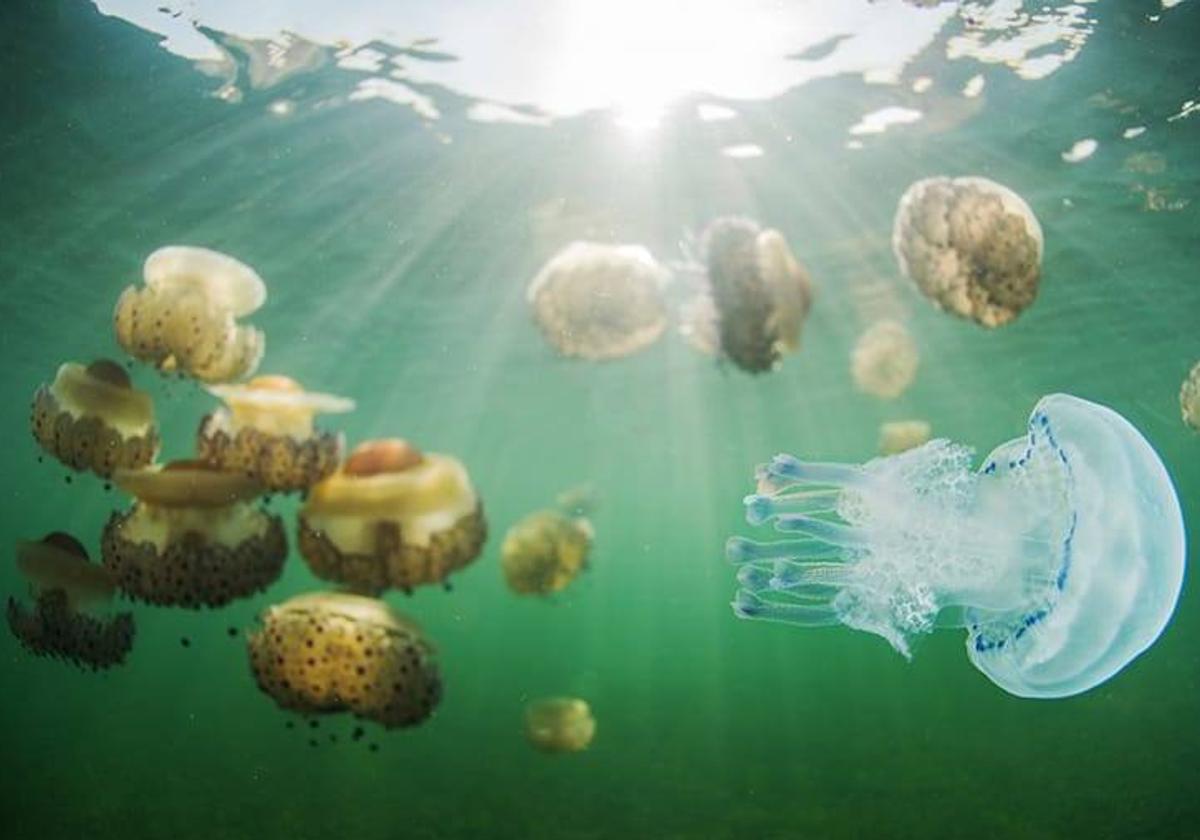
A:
92, 418
327, 652
971, 246
266, 431
884, 360
598, 301
559, 724
185, 317
1189, 398
193, 538
392, 517
544, 552
756, 298
902, 435
67, 587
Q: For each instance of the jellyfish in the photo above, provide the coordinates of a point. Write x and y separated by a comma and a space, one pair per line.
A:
267, 432
392, 516
67, 590
597, 302
184, 319
902, 435
559, 724
885, 359
545, 551
326, 652
192, 538
756, 298
1062, 556
92, 418
1189, 398
971, 246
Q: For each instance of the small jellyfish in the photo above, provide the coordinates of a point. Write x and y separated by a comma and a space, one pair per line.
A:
1189, 398
885, 359
756, 299
92, 418
327, 652
184, 319
67, 589
392, 516
902, 435
267, 432
544, 552
598, 301
559, 724
1062, 557
192, 538
972, 246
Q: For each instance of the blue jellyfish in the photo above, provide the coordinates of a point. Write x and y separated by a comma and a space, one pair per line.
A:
1062, 557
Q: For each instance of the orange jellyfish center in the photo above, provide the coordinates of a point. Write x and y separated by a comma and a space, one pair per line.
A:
65, 542
109, 372
374, 457
276, 382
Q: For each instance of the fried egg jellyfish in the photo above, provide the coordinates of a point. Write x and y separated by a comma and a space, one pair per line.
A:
184, 319
1062, 557
193, 538
266, 431
69, 592
92, 418
542, 553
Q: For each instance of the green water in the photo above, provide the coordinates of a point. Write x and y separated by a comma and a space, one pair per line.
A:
396, 265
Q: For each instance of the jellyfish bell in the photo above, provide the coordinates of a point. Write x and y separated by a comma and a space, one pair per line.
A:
184, 318
1189, 398
68, 590
266, 431
559, 724
972, 246
595, 301
542, 553
326, 652
392, 517
193, 538
92, 418
1062, 557
756, 298
902, 435
884, 360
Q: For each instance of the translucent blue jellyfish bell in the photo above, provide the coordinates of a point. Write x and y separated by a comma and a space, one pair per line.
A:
1062, 557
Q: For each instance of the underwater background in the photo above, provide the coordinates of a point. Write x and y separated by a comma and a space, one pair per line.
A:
397, 235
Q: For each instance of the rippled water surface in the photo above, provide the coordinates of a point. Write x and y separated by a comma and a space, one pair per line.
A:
397, 175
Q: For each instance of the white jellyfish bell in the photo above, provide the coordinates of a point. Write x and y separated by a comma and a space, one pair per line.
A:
1062, 557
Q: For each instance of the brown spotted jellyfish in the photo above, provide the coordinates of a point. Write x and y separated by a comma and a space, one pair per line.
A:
266, 431
68, 620
328, 652
193, 538
92, 418
756, 296
392, 517
542, 553
184, 319
972, 246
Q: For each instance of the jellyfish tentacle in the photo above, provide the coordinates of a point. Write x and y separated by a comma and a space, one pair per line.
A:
790, 468
787, 575
747, 604
740, 550
760, 507
845, 536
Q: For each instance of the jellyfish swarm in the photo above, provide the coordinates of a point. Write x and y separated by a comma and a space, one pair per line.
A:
1062, 557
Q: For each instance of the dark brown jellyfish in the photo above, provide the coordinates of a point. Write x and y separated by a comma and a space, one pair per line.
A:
544, 552
327, 652
972, 246
756, 299
67, 589
598, 301
266, 431
192, 538
184, 318
92, 418
559, 724
392, 517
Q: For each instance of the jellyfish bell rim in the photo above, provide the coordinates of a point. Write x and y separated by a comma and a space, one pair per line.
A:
435, 483
47, 566
183, 484
89, 394
1024, 667
226, 279
351, 606
314, 401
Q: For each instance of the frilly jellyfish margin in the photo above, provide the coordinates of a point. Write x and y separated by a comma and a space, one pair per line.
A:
1062, 556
